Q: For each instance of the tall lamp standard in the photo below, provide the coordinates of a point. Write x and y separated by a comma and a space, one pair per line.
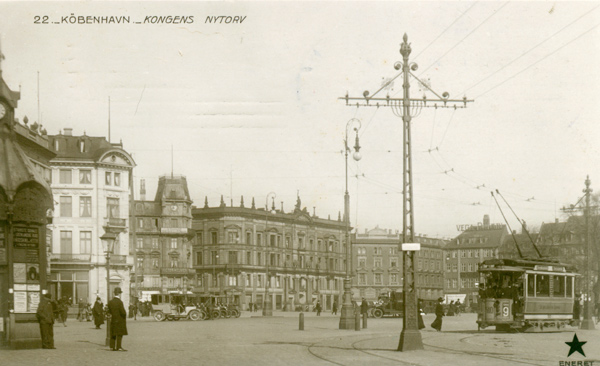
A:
108, 242
347, 312
268, 306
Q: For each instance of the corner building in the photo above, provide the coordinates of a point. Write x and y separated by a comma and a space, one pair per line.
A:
245, 253
91, 190
162, 230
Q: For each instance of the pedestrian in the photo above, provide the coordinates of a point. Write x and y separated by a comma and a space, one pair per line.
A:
458, 306
364, 307
63, 310
450, 309
118, 321
131, 310
81, 310
98, 312
334, 308
576, 310
250, 306
420, 315
318, 308
439, 313
45, 316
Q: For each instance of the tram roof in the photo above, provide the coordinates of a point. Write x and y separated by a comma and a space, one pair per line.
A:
526, 263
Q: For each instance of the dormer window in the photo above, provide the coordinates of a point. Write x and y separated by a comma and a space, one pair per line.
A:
81, 144
56, 145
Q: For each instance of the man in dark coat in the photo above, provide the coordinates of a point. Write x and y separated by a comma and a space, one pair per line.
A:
439, 313
98, 312
318, 308
364, 307
118, 321
45, 316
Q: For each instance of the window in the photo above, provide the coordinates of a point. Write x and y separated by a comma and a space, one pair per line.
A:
288, 242
362, 262
85, 242
248, 280
85, 206
154, 243
154, 262
542, 285
393, 278
117, 179
258, 259
140, 223
213, 237
454, 282
531, 285
470, 267
248, 257
85, 177
476, 253
140, 262
272, 239
463, 267
140, 243
108, 178
362, 278
377, 262
248, 238
232, 237
66, 242
199, 259
463, 254
559, 286
66, 206
174, 263
214, 257
199, 239
112, 208
258, 239
301, 243
173, 243
65, 176
233, 257
454, 254
378, 278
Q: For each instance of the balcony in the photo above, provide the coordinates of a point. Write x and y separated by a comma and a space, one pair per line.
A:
70, 257
115, 225
118, 259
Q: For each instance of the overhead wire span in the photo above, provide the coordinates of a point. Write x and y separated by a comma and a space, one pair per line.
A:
465, 37
538, 61
531, 49
444, 31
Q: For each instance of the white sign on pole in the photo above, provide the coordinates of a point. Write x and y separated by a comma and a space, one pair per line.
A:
411, 247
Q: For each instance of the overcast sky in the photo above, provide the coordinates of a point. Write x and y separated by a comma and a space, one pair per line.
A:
252, 108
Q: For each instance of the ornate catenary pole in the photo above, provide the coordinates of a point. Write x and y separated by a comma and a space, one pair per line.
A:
588, 317
407, 108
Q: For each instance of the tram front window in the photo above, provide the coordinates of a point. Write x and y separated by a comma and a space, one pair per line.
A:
542, 286
569, 286
531, 285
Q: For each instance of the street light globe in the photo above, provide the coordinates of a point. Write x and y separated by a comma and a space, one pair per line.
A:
357, 156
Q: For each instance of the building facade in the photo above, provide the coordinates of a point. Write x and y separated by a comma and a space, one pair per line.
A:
91, 190
251, 254
377, 265
464, 253
161, 231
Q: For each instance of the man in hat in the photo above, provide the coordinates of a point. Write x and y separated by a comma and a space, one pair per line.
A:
45, 316
439, 313
118, 321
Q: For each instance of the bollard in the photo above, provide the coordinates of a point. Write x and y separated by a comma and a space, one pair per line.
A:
364, 320
301, 322
356, 321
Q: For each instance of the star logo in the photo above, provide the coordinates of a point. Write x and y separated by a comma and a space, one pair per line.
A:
576, 346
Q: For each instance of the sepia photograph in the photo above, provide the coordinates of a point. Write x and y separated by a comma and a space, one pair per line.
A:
300, 183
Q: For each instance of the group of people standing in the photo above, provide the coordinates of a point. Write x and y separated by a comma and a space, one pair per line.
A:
48, 310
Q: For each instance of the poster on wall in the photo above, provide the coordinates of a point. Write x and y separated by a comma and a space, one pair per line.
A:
20, 272
33, 273
20, 301
33, 300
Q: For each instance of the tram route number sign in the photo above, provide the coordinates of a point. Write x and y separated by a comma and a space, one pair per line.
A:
25, 237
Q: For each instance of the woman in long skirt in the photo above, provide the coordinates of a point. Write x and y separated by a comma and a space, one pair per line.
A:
439, 313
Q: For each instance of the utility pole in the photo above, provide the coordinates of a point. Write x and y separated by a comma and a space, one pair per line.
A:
406, 108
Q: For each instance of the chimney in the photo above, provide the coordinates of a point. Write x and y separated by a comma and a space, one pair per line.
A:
68, 131
143, 189
486, 220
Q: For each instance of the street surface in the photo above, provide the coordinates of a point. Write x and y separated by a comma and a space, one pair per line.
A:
253, 340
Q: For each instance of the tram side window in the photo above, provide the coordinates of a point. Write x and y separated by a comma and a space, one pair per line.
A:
531, 285
542, 285
570, 286
558, 282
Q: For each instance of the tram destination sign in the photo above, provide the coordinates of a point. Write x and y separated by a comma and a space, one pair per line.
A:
25, 237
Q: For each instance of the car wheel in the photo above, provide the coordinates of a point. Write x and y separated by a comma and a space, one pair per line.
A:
195, 315
159, 316
378, 313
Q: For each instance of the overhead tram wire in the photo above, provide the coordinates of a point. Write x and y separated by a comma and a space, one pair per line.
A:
465, 37
509, 228
444, 31
531, 49
540, 60
521, 222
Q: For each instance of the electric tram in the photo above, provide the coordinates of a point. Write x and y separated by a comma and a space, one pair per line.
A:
528, 295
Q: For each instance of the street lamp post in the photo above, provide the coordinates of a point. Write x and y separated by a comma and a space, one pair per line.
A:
108, 241
215, 280
347, 311
268, 306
